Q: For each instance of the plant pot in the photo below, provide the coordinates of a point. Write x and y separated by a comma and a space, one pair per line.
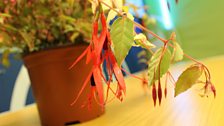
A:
55, 86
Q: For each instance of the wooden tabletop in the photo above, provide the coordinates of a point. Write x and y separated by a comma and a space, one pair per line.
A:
188, 109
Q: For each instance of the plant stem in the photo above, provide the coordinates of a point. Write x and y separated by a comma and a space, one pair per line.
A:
191, 58
150, 32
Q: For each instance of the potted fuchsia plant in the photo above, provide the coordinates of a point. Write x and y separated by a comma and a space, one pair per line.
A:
55, 36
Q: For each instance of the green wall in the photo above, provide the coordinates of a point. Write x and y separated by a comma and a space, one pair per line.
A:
199, 25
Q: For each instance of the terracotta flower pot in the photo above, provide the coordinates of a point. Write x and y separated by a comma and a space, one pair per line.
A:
55, 86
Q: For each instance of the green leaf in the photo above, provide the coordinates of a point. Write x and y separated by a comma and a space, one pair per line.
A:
178, 53
9, 27
69, 28
122, 36
153, 66
188, 78
5, 38
67, 18
5, 58
71, 2
28, 39
1, 20
5, 15
74, 36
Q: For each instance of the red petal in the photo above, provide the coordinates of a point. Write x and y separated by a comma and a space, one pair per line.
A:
103, 35
80, 57
99, 84
90, 97
117, 72
83, 87
88, 56
95, 29
119, 93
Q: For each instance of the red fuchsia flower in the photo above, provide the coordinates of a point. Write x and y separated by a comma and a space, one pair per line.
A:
99, 51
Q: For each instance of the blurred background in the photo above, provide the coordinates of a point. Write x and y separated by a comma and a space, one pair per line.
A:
197, 23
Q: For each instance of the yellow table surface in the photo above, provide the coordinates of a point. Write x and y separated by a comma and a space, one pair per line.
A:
188, 109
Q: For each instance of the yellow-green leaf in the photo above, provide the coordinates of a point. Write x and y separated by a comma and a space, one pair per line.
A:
178, 52
125, 9
28, 39
118, 4
153, 66
108, 2
74, 36
130, 16
67, 18
141, 40
188, 78
3, 16
111, 15
122, 37
5, 38
5, 58
71, 2
94, 5
1, 20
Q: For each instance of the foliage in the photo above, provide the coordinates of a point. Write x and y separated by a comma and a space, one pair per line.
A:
188, 78
33, 25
